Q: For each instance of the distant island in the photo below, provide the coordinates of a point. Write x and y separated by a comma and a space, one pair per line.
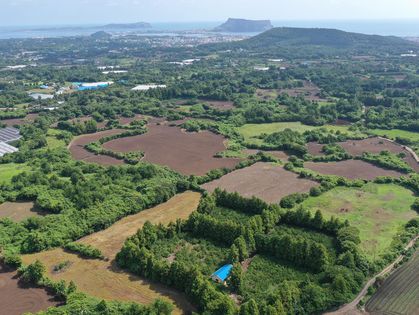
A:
108, 27
130, 26
244, 26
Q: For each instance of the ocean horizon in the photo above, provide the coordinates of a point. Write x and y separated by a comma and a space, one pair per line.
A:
402, 28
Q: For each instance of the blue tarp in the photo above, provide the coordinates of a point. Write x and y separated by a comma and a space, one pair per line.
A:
223, 272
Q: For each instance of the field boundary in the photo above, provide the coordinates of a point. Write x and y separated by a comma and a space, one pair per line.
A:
346, 308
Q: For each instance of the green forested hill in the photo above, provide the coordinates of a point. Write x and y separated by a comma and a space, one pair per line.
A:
322, 41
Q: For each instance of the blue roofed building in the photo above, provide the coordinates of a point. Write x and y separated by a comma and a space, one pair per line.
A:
222, 274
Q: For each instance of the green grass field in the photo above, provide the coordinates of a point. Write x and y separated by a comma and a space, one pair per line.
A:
52, 141
378, 211
392, 134
7, 171
249, 131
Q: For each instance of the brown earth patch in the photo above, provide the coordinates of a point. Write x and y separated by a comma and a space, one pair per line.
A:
102, 278
16, 299
315, 148
352, 169
78, 152
185, 152
221, 105
128, 120
19, 121
263, 180
19, 211
309, 91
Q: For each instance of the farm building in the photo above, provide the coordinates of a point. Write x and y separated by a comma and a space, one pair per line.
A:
222, 274
6, 148
9, 134
41, 96
91, 86
146, 87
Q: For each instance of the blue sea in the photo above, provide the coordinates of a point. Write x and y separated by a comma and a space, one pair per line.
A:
403, 28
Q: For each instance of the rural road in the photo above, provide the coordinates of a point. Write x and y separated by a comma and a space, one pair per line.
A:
351, 308
408, 149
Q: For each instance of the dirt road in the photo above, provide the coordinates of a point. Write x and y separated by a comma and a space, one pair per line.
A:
351, 308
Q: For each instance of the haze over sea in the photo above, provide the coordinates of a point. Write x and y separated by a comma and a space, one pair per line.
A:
378, 27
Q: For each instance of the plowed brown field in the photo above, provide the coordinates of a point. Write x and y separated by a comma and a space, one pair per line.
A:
263, 180
16, 299
186, 152
352, 169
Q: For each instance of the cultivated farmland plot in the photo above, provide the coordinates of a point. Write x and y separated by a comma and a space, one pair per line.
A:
263, 180
399, 294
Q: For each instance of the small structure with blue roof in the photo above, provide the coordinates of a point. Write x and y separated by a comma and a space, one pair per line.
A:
222, 274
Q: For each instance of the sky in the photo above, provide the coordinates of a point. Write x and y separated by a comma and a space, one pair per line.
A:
61, 12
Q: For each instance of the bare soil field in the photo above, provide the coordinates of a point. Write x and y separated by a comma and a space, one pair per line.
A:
19, 211
371, 145
185, 152
78, 152
16, 299
102, 278
399, 294
128, 120
221, 105
19, 121
263, 180
352, 169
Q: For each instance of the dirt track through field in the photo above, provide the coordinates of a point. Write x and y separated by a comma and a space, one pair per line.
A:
103, 279
263, 180
16, 299
186, 152
352, 169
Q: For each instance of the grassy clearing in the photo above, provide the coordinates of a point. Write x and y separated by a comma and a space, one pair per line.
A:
378, 211
392, 134
52, 141
7, 171
250, 131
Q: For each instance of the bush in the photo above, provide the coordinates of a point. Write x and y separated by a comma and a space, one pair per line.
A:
87, 251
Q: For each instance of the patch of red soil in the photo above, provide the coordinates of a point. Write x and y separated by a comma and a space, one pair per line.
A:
221, 105
19, 121
185, 152
315, 148
263, 180
352, 169
128, 120
16, 299
78, 152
